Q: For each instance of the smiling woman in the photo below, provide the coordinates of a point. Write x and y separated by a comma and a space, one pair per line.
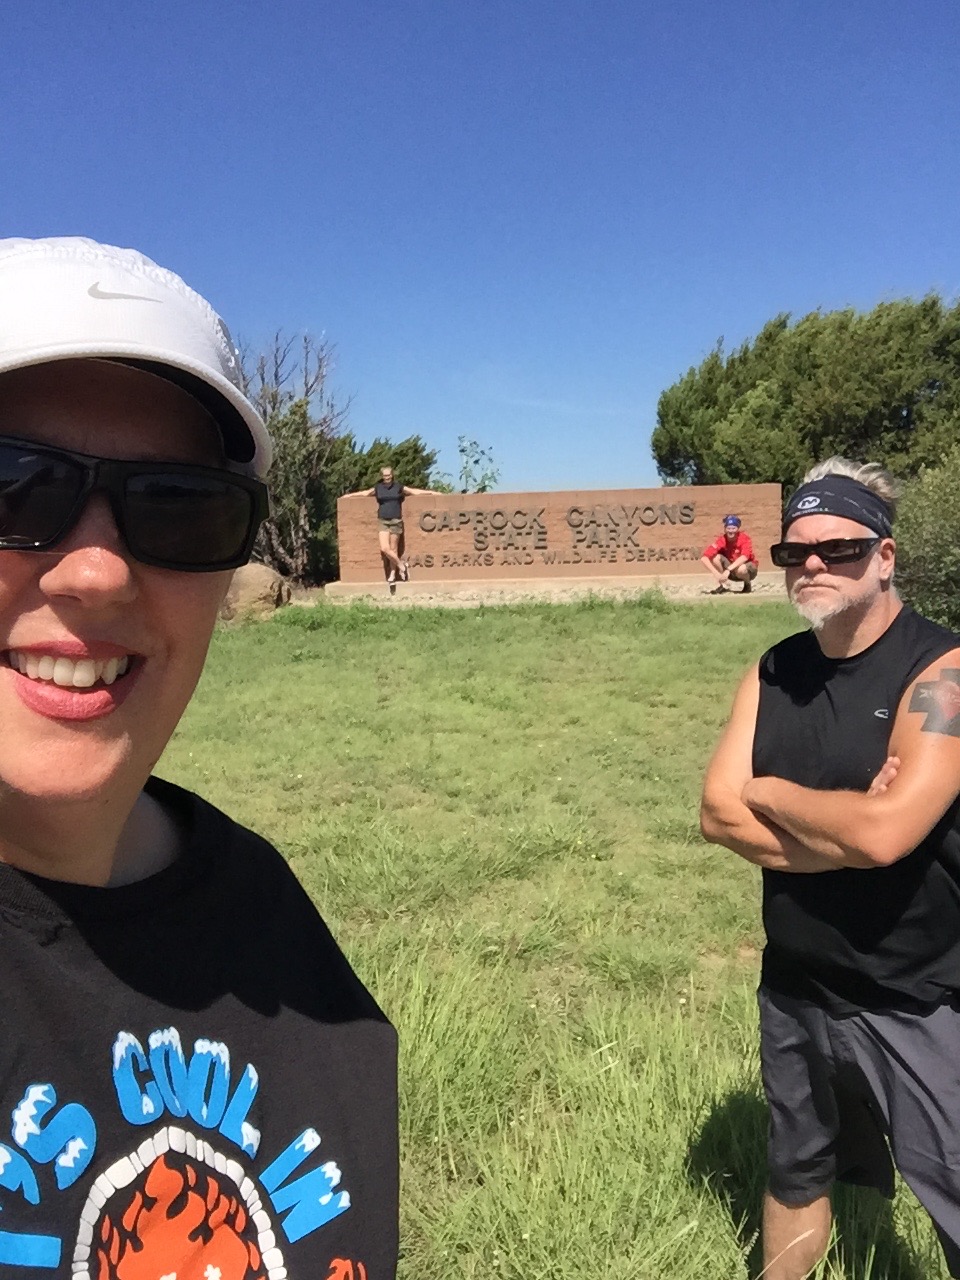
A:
102, 605
145, 928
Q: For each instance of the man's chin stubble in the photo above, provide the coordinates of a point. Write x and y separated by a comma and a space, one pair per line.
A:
819, 615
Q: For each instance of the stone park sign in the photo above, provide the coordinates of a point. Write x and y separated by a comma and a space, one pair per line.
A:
579, 534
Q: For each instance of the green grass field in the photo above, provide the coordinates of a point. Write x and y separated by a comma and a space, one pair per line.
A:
496, 812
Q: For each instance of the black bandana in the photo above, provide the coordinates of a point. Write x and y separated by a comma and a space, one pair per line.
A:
840, 496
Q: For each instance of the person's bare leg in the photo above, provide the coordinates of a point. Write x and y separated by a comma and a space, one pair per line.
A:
395, 549
795, 1237
388, 553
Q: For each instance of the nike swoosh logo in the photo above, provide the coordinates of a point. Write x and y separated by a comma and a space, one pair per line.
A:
882, 713
96, 292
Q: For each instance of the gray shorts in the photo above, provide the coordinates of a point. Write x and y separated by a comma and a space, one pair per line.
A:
852, 1097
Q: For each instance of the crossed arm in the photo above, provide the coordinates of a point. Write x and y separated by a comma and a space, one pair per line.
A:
785, 827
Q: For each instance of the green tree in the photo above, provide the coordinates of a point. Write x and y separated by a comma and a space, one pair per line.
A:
292, 537
883, 385
411, 460
315, 460
478, 473
928, 542
289, 383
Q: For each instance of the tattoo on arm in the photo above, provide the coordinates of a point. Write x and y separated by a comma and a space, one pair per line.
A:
939, 700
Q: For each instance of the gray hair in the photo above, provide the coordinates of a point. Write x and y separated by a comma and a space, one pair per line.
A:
870, 474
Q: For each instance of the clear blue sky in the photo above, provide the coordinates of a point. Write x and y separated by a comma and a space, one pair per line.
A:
517, 220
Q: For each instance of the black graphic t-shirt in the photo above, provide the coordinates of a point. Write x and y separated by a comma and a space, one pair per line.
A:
193, 1081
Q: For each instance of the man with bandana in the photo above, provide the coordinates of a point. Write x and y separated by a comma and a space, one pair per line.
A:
838, 775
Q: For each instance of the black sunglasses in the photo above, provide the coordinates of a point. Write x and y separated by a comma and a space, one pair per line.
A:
791, 555
194, 519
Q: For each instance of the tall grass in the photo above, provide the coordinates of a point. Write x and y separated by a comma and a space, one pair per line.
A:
496, 812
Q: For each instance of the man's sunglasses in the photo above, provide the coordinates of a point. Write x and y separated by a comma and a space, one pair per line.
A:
792, 555
191, 518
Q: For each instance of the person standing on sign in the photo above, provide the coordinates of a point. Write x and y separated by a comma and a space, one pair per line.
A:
194, 1080
730, 557
838, 774
390, 494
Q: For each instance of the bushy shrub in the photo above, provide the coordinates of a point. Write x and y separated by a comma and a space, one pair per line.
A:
928, 542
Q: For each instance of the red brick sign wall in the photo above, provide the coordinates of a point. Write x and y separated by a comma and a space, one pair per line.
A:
579, 534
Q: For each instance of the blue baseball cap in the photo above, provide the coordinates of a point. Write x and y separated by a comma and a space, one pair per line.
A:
734, 520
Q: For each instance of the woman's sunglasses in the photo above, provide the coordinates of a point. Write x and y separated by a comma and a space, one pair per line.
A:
791, 555
194, 519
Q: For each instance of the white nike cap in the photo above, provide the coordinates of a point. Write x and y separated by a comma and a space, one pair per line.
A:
69, 298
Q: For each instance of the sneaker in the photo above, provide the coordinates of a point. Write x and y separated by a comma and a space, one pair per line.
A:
719, 590
747, 587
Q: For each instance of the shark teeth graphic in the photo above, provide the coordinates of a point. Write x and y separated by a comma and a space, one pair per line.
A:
130, 1167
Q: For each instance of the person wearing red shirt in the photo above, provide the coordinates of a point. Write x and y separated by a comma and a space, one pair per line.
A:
731, 557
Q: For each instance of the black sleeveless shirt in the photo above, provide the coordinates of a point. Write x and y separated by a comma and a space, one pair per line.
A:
856, 939
389, 499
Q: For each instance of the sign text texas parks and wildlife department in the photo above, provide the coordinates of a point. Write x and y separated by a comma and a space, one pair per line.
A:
593, 533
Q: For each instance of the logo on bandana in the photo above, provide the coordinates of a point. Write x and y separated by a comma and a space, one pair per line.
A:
808, 503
